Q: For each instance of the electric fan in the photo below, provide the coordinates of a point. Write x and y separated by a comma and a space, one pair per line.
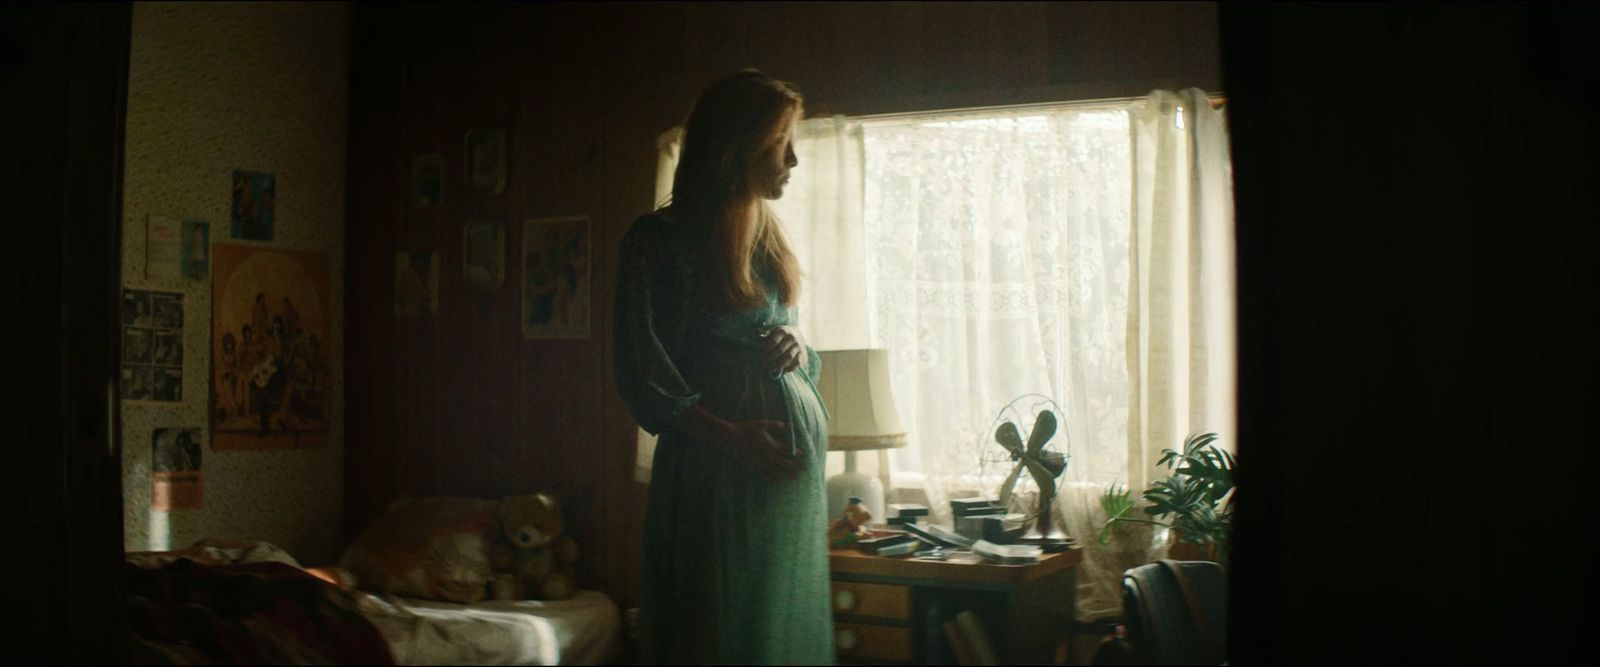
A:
1043, 463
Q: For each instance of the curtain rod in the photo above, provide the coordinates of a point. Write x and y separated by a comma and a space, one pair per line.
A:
1217, 99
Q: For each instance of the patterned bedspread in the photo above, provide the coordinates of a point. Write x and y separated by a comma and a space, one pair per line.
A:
186, 612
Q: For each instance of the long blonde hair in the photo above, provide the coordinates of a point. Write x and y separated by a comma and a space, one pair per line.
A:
731, 125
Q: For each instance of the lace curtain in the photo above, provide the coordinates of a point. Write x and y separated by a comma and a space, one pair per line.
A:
1000, 262
1082, 255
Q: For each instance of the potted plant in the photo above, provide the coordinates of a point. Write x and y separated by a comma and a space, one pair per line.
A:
1197, 496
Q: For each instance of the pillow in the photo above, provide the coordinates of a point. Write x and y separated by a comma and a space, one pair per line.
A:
432, 548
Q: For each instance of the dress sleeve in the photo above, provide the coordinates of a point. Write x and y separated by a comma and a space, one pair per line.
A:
647, 378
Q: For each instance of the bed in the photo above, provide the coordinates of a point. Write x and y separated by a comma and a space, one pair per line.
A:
584, 629
251, 603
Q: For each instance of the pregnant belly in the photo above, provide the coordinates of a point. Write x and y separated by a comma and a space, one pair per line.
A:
741, 391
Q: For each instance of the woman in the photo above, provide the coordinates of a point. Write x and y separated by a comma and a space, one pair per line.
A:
708, 357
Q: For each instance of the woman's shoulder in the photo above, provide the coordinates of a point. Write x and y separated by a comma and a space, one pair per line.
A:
657, 235
656, 227
654, 223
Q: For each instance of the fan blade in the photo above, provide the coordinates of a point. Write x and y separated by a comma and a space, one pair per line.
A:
1041, 476
1008, 485
1008, 437
1043, 429
1055, 462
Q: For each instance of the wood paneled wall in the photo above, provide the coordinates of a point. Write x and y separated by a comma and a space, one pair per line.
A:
459, 403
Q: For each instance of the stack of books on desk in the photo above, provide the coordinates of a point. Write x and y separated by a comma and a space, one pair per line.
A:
1008, 554
904, 513
890, 544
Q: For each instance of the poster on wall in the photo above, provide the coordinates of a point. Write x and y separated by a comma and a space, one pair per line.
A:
162, 247
271, 348
416, 283
484, 260
196, 258
427, 180
175, 480
152, 346
555, 278
254, 200
486, 159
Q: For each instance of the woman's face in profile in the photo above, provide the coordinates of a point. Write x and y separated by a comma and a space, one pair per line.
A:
772, 167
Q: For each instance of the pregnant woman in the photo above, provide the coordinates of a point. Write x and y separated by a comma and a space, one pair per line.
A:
708, 357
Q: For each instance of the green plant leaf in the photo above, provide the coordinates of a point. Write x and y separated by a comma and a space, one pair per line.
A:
1117, 501
1202, 477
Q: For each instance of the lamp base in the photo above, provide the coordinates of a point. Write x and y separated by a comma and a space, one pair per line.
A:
843, 486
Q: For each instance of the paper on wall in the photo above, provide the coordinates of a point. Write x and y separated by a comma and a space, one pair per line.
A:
163, 247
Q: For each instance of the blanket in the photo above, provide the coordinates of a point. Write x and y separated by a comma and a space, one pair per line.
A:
183, 611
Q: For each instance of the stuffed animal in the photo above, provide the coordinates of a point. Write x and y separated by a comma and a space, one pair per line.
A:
534, 560
851, 526
430, 548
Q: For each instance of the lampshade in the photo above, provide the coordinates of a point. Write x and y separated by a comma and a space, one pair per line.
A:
855, 386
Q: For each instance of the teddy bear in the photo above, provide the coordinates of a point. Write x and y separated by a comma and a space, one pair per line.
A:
851, 526
535, 559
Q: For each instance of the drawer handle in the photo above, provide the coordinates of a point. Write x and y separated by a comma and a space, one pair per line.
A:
844, 599
846, 639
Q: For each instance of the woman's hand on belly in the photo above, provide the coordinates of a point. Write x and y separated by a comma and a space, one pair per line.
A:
786, 349
752, 444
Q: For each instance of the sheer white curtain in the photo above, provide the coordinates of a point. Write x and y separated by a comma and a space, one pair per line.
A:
1082, 254
1181, 318
1000, 261
823, 217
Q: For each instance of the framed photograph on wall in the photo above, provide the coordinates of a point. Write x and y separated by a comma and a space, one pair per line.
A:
416, 283
486, 159
271, 357
427, 180
484, 255
556, 278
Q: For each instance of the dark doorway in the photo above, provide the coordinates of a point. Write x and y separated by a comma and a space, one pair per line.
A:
1417, 218
65, 72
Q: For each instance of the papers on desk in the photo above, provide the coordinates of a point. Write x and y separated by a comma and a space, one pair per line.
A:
1008, 554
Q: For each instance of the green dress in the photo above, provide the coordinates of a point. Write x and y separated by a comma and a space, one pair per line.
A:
735, 565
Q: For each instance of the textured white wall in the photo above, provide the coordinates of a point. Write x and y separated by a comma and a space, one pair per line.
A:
215, 87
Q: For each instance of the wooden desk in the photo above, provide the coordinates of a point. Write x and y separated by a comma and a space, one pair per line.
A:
893, 610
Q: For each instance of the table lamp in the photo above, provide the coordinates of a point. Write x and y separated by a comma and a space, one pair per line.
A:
855, 387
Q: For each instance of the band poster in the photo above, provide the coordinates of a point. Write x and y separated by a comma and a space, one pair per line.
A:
271, 348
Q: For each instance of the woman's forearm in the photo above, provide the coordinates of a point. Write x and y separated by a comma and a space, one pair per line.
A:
700, 424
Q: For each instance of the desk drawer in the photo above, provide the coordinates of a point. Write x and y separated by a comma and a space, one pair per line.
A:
875, 600
878, 642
